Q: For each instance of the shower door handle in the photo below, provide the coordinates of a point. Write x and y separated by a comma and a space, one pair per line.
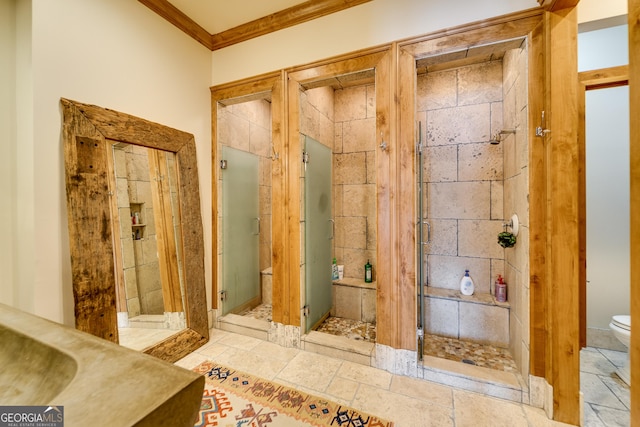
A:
426, 222
333, 229
258, 221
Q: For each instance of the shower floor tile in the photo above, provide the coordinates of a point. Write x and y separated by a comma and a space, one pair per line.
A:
261, 312
487, 356
353, 329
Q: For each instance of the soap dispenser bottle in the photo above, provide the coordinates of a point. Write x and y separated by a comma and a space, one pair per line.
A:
466, 284
334, 270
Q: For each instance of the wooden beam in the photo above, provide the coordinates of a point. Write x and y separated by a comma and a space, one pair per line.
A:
606, 77
563, 236
403, 110
634, 102
176, 17
537, 208
555, 5
294, 15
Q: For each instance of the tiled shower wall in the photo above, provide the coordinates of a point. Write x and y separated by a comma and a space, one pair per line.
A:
472, 187
516, 201
463, 173
143, 287
354, 179
344, 120
247, 127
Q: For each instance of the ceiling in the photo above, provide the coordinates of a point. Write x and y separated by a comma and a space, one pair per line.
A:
220, 23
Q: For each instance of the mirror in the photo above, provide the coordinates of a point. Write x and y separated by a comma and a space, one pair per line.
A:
147, 244
122, 224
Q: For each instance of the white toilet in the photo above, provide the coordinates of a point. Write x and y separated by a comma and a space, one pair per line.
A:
621, 327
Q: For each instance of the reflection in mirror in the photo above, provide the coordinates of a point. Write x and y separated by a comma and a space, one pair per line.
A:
147, 242
111, 257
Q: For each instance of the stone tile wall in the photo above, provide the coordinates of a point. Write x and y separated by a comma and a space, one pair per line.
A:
354, 179
516, 201
344, 120
460, 110
471, 188
143, 287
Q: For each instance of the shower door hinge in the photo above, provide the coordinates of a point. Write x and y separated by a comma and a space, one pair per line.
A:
305, 311
223, 295
540, 130
305, 157
223, 164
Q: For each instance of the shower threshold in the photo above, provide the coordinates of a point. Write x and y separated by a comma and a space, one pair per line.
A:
342, 338
472, 366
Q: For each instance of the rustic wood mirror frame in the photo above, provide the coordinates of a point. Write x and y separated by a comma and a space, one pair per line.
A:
86, 134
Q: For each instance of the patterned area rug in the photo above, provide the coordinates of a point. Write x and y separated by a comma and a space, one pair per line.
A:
233, 398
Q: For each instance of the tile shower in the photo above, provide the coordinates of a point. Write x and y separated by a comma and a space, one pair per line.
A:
343, 119
471, 188
246, 127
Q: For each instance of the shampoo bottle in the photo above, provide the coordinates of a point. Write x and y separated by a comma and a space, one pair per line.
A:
368, 273
466, 284
501, 290
334, 270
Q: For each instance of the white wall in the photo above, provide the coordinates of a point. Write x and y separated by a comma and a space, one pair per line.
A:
608, 208
367, 25
607, 168
113, 53
593, 10
7, 148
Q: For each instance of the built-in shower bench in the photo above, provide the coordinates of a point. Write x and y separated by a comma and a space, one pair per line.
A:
478, 317
353, 298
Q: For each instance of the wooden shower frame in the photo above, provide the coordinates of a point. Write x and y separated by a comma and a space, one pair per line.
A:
554, 257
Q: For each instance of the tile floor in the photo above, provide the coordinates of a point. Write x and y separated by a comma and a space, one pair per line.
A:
410, 401
406, 401
487, 356
606, 397
141, 338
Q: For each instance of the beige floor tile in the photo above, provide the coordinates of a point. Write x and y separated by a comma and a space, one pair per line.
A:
251, 363
404, 411
239, 341
190, 361
276, 352
216, 335
212, 349
476, 410
343, 389
423, 390
538, 418
311, 370
365, 374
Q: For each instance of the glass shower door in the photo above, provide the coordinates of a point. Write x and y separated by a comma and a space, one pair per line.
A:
319, 230
240, 230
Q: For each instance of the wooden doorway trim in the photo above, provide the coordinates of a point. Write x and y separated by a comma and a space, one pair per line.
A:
321, 74
634, 105
267, 86
590, 80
